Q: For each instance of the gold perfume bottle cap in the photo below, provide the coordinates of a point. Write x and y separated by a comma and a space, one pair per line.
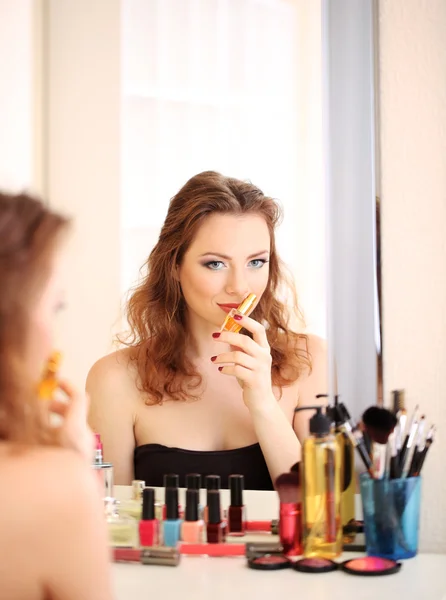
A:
247, 304
137, 487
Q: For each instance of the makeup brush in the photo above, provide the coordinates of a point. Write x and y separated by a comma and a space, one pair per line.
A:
290, 530
398, 400
400, 428
408, 440
413, 460
379, 424
423, 451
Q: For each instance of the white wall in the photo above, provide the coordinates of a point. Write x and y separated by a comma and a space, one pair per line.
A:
413, 183
19, 95
83, 166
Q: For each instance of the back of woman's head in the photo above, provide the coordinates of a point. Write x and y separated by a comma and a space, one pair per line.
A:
156, 309
29, 234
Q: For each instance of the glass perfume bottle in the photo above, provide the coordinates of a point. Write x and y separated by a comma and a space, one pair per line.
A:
244, 308
49, 381
122, 530
133, 507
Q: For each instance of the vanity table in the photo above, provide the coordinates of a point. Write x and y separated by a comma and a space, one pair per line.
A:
210, 578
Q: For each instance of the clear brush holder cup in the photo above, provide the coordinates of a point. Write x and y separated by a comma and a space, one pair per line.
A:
391, 510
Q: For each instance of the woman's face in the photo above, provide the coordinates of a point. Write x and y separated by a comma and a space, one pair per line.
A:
227, 260
50, 302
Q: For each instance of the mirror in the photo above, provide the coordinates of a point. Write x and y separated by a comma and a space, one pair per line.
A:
125, 122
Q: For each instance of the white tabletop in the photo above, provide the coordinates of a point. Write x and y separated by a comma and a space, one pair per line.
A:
422, 577
210, 578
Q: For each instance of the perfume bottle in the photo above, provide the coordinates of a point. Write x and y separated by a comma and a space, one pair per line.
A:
133, 507
148, 526
49, 381
321, 489
122, 530
192, 527
245, 308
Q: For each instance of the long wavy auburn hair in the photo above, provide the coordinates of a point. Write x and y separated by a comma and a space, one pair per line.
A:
156, 309
29, 236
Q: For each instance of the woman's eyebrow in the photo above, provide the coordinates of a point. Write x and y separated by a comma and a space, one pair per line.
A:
226, 257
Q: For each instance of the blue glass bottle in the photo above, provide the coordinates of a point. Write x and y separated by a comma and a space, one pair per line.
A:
172, 524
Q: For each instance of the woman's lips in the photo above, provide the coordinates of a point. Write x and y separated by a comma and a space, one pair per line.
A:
228, 307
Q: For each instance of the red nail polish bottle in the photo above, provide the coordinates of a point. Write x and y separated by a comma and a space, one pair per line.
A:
216, 528
148, 526
236, 511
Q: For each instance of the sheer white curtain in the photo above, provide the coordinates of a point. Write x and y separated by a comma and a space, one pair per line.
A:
209, 85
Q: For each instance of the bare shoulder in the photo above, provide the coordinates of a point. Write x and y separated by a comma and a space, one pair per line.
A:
315, 347
115, 368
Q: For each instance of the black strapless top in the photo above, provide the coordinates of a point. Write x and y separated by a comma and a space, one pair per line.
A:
152, 461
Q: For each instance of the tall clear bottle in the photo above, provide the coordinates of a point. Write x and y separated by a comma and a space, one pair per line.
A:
339, 414
321, 489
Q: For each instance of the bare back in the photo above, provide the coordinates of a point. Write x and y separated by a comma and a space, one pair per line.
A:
53, 542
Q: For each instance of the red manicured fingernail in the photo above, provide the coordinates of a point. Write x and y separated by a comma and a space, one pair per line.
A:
220, 368
215, 335
213, 358
238, 317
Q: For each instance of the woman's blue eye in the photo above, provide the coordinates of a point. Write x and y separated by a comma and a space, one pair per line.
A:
259, 262
214, 265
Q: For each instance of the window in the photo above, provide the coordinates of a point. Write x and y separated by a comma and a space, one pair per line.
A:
207, 85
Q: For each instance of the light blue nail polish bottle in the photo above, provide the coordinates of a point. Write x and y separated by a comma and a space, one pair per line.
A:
172, 524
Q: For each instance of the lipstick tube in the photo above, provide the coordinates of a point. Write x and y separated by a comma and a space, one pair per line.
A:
290, 528
168, 557
236, 510
148, 526
244, 308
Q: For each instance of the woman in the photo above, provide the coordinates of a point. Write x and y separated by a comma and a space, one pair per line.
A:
183, 398
53, 542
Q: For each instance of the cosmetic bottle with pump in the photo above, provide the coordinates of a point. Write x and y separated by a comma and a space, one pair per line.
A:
321, 489
122, 530
172, 522
133, 507
338, 414
215, 527
148, 526
244, 308
236, 510
192, 526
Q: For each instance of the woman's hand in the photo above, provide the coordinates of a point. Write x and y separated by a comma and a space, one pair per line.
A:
73, 428
250, 362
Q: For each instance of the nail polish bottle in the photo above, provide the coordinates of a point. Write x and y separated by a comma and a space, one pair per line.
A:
212, 483
171, 480
172, 523
236, 511
193, 482
192, 526
215, 528
148, 526
133, 507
